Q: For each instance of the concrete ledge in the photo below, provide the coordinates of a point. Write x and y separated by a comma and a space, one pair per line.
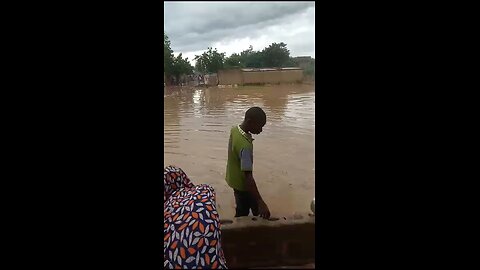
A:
251, 243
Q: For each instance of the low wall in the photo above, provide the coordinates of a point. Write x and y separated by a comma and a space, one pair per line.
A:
289, 76
230, 77
274, 77
263, 243
240, 77
211, 80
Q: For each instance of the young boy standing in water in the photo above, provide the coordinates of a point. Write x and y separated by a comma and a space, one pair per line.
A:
240, 165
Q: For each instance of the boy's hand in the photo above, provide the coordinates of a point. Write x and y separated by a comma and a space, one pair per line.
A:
263, 210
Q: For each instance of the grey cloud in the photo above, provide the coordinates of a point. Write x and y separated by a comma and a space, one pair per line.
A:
197, 17
195, 26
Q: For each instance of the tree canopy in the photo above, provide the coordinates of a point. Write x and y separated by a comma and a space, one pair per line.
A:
210, 61
181, 66
167, 55
275, 55
174, 66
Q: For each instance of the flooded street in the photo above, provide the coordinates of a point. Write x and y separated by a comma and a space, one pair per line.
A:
196, 132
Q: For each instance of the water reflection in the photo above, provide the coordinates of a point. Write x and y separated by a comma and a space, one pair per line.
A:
197, 124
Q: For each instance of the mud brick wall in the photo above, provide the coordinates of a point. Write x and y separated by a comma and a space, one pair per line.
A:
237, 76
279, 76
230, 76
276, 244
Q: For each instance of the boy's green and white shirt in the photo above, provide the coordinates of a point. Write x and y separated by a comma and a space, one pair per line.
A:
240, 158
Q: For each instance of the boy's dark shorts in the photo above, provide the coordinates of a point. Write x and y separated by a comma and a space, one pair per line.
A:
245, 203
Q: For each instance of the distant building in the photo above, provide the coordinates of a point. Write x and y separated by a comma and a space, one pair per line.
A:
243, 76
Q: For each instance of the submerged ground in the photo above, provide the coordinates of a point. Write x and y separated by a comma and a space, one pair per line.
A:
197, 124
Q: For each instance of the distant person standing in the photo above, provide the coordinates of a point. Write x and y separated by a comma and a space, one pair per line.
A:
239, 174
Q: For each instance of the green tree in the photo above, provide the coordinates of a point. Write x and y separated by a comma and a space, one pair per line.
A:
255, 60
181, 66
276, 55
167, 56
210, 61
233, 61
250, 58
291, 62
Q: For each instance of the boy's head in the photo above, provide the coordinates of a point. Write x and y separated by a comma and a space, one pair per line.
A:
255, 119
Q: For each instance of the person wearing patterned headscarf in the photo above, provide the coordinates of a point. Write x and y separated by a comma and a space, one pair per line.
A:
191, 224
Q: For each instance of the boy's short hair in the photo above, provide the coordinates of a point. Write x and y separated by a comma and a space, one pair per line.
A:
256, 114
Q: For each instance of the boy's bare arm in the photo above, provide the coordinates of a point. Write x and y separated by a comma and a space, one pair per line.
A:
252, 186
263, 210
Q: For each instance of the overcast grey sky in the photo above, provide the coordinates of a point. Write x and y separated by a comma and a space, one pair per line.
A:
232, 26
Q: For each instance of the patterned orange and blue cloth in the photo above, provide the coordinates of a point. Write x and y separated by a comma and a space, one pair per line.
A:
191, 224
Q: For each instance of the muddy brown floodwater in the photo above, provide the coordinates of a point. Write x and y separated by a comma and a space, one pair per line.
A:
196, 131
